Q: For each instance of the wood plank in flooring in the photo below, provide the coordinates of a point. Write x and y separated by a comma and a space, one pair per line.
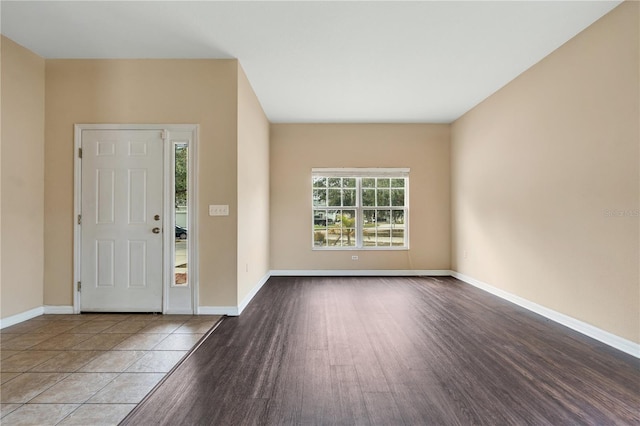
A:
393, 351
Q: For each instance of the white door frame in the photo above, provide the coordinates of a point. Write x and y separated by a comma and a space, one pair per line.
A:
174, 298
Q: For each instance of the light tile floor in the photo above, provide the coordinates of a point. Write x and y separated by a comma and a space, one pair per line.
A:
89, 369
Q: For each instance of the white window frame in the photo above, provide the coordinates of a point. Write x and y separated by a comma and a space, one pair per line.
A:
359, 174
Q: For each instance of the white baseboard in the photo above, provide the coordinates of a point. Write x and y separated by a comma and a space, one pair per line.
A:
605, 337
22, 316
56, 309
253, 292
360, 272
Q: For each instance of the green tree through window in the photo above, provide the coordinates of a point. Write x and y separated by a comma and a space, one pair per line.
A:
181, 175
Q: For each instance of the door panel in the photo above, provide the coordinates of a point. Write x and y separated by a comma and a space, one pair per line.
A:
121, 266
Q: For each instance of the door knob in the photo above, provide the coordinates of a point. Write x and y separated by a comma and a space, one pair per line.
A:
156, 230
156, 217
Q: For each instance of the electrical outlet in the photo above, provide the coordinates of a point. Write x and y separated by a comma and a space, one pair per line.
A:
354, 257
219, 210
464, 254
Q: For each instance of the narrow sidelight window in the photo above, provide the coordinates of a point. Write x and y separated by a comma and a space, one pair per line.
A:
181, 174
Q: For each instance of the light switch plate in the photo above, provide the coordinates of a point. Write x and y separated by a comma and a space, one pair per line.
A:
218, 210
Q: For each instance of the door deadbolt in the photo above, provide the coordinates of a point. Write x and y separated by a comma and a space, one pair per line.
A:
156, 230
156, 217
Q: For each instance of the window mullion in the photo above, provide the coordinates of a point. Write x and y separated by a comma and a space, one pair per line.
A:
359, 215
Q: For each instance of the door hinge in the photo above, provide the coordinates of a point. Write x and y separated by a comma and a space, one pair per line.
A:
80, 152
79, 285
165, 135
79, 219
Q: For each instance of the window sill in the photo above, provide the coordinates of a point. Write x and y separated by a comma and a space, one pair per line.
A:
360, 248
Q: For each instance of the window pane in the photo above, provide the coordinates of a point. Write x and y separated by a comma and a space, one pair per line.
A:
320, 238
369, 238
349, 182
382, 216
368, 230
383, 183
333, 227
181, 277
333, 236
369, 218
348, 218
397, 237
333, 216
369, 197
335, 182
319, 218
398, 217
397, 228
348, 223
335, 198
383, 228
319, 197
319, 182
368, 182
349, 237
397, 183
383, 197
397, 197
349, 197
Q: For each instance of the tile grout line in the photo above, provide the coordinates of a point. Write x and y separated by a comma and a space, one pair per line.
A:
176, 366
65, 375
85, 402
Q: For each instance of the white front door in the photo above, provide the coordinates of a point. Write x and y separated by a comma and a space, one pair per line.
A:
121, 221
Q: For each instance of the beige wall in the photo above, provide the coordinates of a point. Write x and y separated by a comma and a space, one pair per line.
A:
297, 148
1, 43
201, 92
538, 167
22, 179
253, 189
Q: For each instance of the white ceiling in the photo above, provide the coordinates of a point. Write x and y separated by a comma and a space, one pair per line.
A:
328, 61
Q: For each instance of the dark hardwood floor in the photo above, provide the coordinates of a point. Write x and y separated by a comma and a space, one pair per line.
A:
393, 351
